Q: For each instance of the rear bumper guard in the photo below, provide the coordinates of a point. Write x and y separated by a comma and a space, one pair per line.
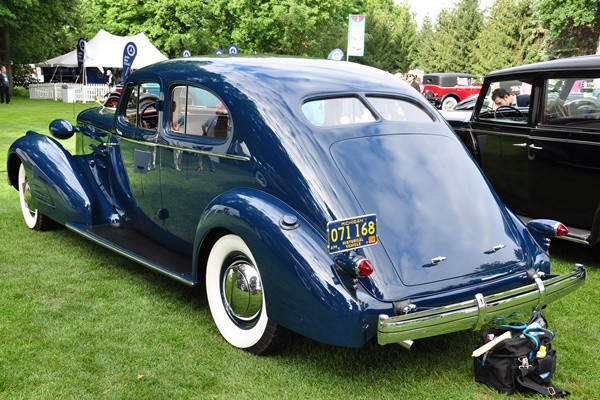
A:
472, 314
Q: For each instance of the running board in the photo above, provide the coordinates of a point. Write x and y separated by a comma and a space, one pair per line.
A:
576, 235
130, 243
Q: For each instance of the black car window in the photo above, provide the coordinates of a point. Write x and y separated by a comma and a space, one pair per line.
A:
506, 101
199, 112
337, 111
399, 110
573, 102
141, 105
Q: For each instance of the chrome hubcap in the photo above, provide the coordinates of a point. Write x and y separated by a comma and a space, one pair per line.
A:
27, 193
242, 290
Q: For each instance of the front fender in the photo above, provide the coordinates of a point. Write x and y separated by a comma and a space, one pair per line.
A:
57, 184
301, 291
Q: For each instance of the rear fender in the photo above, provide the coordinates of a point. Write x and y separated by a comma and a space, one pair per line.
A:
302, 293
59, 189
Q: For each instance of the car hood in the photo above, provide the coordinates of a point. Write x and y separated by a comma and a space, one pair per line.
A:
431, 201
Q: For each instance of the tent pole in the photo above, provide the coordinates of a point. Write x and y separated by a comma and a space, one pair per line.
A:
55, 69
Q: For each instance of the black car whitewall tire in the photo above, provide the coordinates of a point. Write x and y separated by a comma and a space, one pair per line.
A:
251, 331
33, 218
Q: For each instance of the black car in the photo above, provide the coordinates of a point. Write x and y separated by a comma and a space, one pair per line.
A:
540, 148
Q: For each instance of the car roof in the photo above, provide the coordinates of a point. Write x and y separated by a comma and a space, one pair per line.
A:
301, 76
564, 64
450, 74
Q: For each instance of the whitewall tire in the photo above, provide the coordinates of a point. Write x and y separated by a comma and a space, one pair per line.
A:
33, 218
236, 298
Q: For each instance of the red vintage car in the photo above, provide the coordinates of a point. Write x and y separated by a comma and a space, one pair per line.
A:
445, 90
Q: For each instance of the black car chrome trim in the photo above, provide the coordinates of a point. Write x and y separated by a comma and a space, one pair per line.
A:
550, 139
166, 146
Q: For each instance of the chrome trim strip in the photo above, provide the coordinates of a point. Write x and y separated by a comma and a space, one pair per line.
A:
551, 139
471, 314
131, 256
535, 137
166, 146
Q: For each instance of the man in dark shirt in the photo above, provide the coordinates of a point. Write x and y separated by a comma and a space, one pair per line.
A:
4, 86
501, 97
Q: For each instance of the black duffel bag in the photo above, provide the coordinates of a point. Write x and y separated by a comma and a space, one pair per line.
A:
525, 361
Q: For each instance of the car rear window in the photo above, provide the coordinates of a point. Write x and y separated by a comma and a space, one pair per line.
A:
337, 111
399, 110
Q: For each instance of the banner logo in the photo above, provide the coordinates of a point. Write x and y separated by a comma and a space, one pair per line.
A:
232, 49
336, 55
80, 56
129, 54
186, 53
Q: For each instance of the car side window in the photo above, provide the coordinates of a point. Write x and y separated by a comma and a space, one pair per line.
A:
573, 102
506, 101
198, 112
337, 111
141, 109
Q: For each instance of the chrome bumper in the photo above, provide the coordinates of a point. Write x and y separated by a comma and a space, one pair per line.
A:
472, 314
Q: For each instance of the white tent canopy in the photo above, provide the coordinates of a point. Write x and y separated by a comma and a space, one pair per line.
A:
107, 51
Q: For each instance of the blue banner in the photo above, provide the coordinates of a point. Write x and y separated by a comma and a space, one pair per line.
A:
129, 54
232, 49
219, 51
186, 53
80, 56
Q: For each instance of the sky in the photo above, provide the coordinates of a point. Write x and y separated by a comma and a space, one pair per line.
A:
433, 7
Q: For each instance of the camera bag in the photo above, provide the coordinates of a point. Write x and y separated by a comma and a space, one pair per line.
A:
525, 361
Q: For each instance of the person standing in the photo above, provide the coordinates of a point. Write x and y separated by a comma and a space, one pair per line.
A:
110, 79
4, 86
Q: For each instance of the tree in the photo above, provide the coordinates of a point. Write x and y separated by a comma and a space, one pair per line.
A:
390, 35
34, 30
574, 24
450, 48
510, 36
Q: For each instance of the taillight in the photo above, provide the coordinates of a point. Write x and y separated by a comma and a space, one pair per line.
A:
561, 230
363, 268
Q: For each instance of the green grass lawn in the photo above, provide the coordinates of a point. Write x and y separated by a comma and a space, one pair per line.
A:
77, 321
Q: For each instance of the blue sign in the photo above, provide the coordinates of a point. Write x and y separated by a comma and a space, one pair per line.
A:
218, 51
186, 53
336, 55
232, 49
351, 233
129, 54
80, 56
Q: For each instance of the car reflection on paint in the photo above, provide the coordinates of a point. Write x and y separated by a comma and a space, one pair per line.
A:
311, 196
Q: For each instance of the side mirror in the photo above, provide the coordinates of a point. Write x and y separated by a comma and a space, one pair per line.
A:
62, 129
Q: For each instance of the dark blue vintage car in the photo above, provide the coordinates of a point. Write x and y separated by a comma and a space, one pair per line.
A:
316, 196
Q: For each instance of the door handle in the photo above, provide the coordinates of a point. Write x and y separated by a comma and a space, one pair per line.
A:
520, 144
534, 147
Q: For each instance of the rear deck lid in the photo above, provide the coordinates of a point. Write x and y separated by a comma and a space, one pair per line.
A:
431, 201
